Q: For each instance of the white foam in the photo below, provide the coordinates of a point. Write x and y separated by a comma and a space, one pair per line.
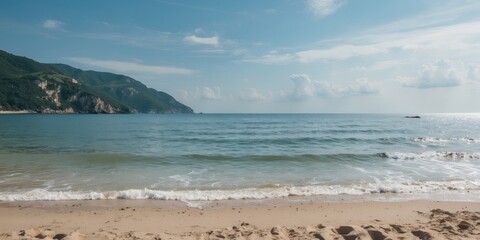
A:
432, 155
189, 196
446, 140
42, 194
183, 179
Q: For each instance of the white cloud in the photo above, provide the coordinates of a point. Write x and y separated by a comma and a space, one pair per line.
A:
360, 86
305, 88
430, 33
201, 93
130, 67
381, 65
323, 8
52, 24
440, 16
442, 73
272, 58
462, 36
252, 95
338, 52
210, 93
212, 41
474, 72
456, 37
448, 27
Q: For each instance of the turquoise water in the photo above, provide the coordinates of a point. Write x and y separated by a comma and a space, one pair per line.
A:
234, 156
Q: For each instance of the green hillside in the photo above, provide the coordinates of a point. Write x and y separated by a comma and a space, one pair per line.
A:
125, 90
57, 88
14, 66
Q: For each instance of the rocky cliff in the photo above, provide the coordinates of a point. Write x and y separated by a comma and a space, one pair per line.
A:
26, 85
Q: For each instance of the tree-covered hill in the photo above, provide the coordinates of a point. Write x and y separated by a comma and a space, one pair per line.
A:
131, 93
57, 88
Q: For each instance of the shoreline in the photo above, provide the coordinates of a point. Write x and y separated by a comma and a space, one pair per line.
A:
17, 112
285, 219
200, 199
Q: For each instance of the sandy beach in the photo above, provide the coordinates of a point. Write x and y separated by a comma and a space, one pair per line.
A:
17, 112
273, 219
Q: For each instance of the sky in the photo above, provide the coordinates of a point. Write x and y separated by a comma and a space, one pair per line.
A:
268, 56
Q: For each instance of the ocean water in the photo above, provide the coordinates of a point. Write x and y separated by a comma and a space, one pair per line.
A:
206, 157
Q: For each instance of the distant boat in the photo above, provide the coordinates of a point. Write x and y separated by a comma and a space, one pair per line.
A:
412, 116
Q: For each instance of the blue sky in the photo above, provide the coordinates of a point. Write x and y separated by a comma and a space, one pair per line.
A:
270, 55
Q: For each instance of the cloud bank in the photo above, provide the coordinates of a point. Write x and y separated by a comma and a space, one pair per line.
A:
201, 93
305, 88
323, 8
443, 73
254, 95
130, 67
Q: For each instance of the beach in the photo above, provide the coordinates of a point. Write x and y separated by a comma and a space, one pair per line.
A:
239, 176
287, 218
17, 112
202, 120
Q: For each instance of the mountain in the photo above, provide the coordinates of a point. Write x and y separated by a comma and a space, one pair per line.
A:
28, 85
123, 89
57, 88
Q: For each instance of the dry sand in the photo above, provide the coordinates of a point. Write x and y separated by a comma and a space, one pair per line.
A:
150, 219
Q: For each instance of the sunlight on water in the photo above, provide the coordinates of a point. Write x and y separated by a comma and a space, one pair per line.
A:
222, 156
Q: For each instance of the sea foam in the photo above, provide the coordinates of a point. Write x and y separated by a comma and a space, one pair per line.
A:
414, 187
446, 140
430, 155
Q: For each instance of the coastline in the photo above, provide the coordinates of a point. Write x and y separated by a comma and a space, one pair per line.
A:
17, 112
285, 218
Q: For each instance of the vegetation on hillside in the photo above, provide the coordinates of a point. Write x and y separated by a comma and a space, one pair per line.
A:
125, 90
55, 88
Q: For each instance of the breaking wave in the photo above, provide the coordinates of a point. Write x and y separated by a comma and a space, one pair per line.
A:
430, 155
446, 140
461, 187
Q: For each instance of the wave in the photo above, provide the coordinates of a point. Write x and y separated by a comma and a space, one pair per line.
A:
461, 187
301, 140
273, 158
446, 140
366, 131
430, 155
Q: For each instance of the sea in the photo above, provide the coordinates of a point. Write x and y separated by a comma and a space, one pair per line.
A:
206, 157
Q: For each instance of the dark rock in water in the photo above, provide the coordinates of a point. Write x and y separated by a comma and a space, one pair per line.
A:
383, 155
412, 116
